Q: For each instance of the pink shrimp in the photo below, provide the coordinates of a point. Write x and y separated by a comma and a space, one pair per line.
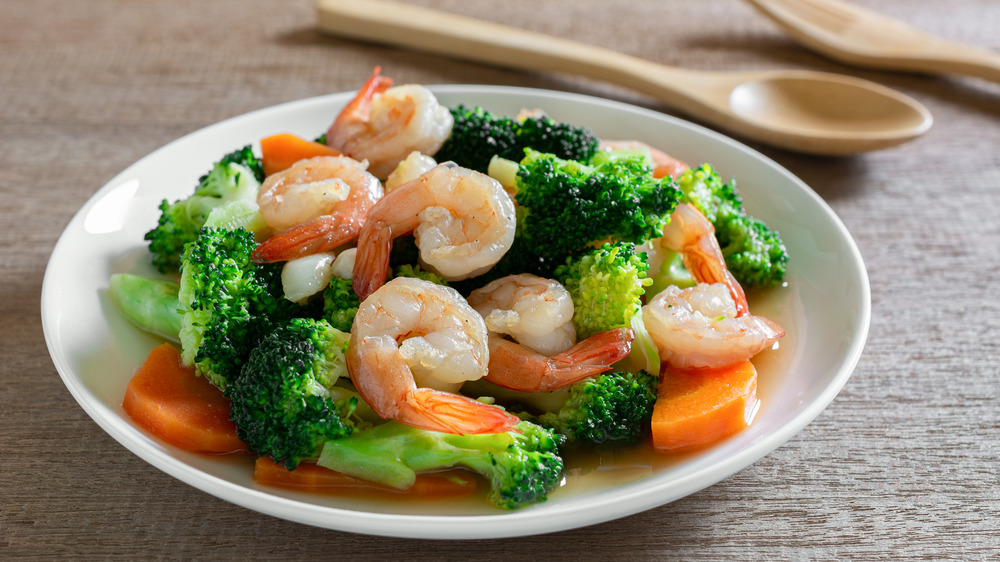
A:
384, 124
318, 204
538, 314
463, 222
413, 345
691, 234
708, 325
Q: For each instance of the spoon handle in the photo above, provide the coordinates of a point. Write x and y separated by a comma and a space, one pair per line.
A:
467, 38
854, 35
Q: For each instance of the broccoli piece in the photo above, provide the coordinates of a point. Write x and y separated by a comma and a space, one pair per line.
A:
340, 303
236, 177
407, 270
754, 253
610, 407
477, 135
565, 206
284, 403
522, 466
606, 285
228, 303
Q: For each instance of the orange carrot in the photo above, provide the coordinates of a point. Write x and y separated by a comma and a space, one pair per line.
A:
183, 409
696, 407
317, 479
279, 152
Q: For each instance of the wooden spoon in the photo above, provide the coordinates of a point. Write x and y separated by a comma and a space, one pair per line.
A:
857, 36
800, 110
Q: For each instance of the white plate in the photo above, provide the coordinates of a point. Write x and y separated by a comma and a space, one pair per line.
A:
825, 309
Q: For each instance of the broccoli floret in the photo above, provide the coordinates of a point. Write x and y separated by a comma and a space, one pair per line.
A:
566, 206
610, 407
340, 303
522, 466
407, 270
228, 302
236, 177
606, 285
284, 403
477, 135
754, 253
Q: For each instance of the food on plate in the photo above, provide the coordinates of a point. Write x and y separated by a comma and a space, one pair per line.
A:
424, 288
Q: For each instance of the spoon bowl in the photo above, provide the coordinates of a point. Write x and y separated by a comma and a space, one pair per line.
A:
805, 111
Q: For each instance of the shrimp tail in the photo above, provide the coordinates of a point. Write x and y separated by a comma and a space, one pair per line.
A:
360, 105
433, 410
514, 366
371, 266
318, 235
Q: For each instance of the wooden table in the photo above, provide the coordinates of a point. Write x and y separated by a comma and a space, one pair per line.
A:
904, 463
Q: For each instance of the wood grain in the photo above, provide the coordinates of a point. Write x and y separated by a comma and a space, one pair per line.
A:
903, 464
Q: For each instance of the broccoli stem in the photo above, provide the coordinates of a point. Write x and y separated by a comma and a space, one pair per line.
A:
149, 303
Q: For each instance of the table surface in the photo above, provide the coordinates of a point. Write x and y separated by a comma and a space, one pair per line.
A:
904, 462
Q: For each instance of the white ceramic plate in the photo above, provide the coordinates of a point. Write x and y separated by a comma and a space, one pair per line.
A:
825, 309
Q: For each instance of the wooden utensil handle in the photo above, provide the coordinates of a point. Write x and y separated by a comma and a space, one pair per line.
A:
467, 38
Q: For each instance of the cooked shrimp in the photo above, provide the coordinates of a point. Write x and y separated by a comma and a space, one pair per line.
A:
318, 204
463, 222
700, 327
515, 366
384, 124
690, 234
665, 164
538, 314
412, 346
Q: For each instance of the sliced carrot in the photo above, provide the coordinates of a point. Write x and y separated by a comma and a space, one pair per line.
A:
696, 407
279, 152
317, 479
176, 405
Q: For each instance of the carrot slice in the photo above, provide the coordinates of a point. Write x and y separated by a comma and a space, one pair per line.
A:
696, 407
317, 479
185, 410
279, 152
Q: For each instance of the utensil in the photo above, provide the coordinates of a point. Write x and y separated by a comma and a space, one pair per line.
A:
799, 110
854, 35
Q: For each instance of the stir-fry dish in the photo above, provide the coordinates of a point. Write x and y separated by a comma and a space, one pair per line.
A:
424, 298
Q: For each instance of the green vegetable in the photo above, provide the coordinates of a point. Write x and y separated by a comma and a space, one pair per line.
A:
149, 303
340, 303
566, 206
285, 403
228, 303
236, 177
407, 270
522, 466
754, 253
606, 285
477, 135
610, 407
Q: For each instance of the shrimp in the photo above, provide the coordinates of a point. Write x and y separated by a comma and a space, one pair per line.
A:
699, 327
708, 325
317, 204
535, 311
412, 346
384, 124
665, 164
538, 314
693, 236
463, 222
